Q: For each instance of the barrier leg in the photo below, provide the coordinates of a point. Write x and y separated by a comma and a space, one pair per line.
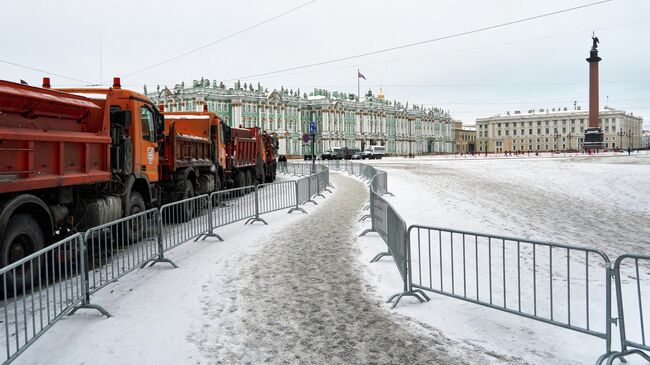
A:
210, 232
366, 232
399, 297
257, 211
296, 208
379, 256
161, 251
621, 356
85, 303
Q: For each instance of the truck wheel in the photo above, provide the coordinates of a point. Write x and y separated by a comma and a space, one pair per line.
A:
249, 178
22, 237
240, 179
136, 227
187, 208
217, 183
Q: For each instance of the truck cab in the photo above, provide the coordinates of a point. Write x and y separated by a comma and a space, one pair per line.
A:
135, 126
73, 159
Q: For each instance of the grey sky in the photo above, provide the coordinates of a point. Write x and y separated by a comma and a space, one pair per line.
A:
538, 64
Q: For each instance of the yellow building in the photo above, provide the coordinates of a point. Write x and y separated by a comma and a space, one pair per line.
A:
465, 137
555, 130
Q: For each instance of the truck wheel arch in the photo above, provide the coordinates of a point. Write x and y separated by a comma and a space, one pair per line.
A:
29, 204
139, 184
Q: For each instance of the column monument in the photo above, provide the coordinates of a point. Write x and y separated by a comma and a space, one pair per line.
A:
593, 134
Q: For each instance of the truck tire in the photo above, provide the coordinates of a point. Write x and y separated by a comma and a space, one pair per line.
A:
136, 228
22, 237
217, 183
249, 178
136, 203
240, 179
187, 209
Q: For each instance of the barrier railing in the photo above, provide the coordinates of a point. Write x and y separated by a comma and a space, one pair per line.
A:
563, 285
119, 247
276, 196
184, 220
632, 278
38, 290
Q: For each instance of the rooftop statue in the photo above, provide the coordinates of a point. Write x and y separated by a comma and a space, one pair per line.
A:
594, 47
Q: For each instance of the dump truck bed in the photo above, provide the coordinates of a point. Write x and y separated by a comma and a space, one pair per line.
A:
50, 139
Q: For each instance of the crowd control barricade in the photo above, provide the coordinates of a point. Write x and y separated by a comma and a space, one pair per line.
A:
282, 167
276, 196
39, 290
304, 192
563, 285
632, 278
114, 249
379, 183
233, 205
184, 220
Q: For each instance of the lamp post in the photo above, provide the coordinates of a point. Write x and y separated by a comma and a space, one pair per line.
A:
555, 138
629, 142
622, 134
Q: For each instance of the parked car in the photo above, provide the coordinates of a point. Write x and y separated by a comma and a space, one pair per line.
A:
358, 156
374, 152
327, 155
349, 152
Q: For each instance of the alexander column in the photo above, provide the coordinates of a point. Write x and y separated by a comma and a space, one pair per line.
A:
593, 134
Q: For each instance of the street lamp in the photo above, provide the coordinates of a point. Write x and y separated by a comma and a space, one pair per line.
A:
622, 134
629, 142
555, 138
570, 136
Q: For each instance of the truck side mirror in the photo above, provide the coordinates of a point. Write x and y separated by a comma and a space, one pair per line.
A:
121, 117
160, 126
213, 132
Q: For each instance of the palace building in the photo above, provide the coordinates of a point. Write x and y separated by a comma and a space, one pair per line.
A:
555, 130
342, 119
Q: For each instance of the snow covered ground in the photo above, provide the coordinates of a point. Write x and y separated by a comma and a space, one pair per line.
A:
289, 292
301, 290
601, 202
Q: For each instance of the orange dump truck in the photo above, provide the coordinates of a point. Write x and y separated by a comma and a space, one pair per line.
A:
216, 155
71, 159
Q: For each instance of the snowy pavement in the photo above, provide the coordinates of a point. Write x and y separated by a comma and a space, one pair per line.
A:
290, 292
303, 300
600, 202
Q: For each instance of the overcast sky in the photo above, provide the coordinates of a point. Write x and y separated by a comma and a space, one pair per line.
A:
537, 64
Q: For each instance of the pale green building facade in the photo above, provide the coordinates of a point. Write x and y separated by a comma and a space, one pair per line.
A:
342, 119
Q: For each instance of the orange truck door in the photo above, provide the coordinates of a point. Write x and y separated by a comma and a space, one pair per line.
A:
149, 147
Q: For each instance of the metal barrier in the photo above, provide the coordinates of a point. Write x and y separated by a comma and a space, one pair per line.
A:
114, 249
277, 196
379, 183
230, 206
632, 293
38, 290
563, 285
184, 220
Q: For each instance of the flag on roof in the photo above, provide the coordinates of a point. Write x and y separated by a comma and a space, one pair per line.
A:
360, 75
